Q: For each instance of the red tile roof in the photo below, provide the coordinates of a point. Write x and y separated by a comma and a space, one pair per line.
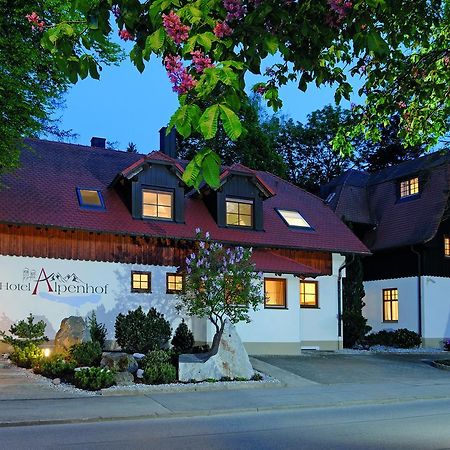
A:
43, 192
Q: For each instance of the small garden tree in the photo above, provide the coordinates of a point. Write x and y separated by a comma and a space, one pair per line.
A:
221, 283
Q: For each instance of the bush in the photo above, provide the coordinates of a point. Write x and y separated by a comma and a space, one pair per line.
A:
94, 378
158, 368
23, 333
28, 356
355, 327
137, 332
96, 330
446, 344
56, 366
183, 340
401, 338
86, 354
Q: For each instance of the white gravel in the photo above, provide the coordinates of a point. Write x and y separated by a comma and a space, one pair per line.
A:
384, 349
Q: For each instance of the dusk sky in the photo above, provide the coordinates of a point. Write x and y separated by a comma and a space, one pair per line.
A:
128, 106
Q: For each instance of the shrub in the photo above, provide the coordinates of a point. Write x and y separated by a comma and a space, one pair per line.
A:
96, 330
57, 366
86, 354
28, 356
401, 338
158, 368
137, 332
446, 344
183, 340
93, 378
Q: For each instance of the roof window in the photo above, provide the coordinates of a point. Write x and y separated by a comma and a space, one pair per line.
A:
409, 187
90, 198
293, 218
330, 197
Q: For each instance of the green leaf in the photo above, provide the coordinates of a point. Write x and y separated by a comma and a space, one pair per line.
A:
271, 43
208, 121
192, 174
376, 43
92, 21
155, 41
231, 123
206, 40
211, 170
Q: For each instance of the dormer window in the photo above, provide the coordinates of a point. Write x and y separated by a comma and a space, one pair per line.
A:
409, 187
293, 218
157, 204
90, 198
239, 212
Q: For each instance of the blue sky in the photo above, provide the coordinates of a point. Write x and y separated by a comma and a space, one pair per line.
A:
125, 105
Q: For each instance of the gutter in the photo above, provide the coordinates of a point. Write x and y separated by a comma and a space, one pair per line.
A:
339, 287
419, 289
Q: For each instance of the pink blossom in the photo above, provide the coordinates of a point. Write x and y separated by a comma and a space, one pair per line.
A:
340, 9
181, 80
401, 105
234, 9
222, 29
174, 28
261, 89
36, 21
201, 62
116, 11
125, 35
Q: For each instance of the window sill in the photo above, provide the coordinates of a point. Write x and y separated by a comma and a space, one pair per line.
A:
276, 307
309, 307
390, 321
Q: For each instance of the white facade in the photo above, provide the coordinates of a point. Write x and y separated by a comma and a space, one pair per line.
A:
435, 309
80, 287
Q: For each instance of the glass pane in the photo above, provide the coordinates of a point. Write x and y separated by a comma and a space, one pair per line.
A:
90, 198
149, 210
245, 221
149, 197
165, 212
232, 207
275, 291
165, 199
387, 311
136, 277
144, 284
232, 219
309, 288
293, 218
394, 310
245, 208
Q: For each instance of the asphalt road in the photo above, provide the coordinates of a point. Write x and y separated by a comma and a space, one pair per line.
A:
413, 425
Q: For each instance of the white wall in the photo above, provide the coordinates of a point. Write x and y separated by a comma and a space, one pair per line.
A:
407, 304
108, 292
436, 304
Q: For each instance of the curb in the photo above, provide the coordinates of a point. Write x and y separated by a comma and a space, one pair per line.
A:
219, 412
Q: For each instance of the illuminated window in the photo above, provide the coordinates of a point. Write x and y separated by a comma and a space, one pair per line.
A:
90, 198
141, 281
174, 283
293, 218
390, 305
157, 204
239, 212
309, 294
447, 246
275, 292
409, 187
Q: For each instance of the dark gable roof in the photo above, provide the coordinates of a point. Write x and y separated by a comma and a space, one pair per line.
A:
43, 192
373, 200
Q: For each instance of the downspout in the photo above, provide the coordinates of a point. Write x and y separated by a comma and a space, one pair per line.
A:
339, 286
419, 288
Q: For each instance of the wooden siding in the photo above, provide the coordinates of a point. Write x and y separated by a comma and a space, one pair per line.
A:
321, 261
21, 240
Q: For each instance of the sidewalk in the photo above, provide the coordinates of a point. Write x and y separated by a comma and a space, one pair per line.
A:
32, 407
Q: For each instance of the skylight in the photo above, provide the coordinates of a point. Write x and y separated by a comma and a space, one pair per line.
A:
90, 198
293, 218
330, 197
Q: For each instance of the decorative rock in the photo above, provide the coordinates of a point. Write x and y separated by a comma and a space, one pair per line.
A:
111, 345
228, 359
120, 362
56, 381
138, 356
140, 373
73, 330
123, 378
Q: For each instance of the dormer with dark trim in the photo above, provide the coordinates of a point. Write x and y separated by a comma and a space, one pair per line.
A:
238, 201
157, 191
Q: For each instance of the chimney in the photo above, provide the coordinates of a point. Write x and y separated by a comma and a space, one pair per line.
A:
168, 144
98, 142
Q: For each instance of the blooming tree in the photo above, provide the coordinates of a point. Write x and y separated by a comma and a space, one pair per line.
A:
399, 49
220, 283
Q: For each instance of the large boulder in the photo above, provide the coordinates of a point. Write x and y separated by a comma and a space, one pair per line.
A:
228, 358
120, 362
73, 330
123, 379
